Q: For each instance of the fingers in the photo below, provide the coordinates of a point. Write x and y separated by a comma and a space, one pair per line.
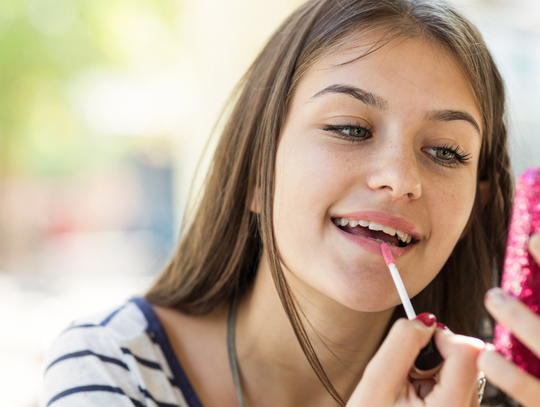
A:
459, 370
506, 376
424, 374
386, 375
399, 350
523, 323
422, 387
534, 247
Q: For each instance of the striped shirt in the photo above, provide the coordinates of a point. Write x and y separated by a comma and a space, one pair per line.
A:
121, 358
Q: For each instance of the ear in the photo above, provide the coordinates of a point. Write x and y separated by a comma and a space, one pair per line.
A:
255, 206
483, 191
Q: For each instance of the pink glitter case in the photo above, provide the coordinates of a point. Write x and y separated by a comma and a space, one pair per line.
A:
521, 275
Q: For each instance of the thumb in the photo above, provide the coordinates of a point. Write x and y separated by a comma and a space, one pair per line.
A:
387, 373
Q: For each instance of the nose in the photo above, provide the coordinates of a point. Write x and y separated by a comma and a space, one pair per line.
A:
395, 171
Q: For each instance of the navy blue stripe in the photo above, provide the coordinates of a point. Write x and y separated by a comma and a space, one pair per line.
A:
82, 353
96, 387
160, 404
152, 337
145, 362
108, 319
102, 323
156, 330
173, 382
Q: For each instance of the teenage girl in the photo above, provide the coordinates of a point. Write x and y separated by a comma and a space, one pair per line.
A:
361, 122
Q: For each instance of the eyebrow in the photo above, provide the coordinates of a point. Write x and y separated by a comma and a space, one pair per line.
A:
363, 96
380, 103
451, 115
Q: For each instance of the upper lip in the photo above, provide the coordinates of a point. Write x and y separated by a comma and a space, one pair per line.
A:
384, 219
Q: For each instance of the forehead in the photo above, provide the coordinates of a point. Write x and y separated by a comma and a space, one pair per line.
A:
412, 74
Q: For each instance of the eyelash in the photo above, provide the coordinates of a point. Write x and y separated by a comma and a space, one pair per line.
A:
461, 158
338, 131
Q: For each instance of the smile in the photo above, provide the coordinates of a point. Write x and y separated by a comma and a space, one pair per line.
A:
374, 231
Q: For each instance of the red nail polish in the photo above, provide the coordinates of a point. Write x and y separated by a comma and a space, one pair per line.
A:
427, 318
441, 326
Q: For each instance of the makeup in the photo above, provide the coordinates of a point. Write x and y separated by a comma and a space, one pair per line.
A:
429, 357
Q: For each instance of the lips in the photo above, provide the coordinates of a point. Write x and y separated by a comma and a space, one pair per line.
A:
374, 230
370, 229
378, 236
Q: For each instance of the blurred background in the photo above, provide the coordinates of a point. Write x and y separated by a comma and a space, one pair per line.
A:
105, 108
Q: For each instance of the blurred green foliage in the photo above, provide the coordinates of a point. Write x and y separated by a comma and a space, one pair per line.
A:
44, 46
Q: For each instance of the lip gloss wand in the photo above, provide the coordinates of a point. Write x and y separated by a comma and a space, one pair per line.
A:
429, 357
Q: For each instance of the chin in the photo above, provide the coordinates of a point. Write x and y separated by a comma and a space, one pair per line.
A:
365, 297
370, 304
369, 290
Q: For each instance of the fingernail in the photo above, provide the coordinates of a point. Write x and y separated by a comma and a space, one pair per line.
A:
427, 318
534, 242
442, 326
497, 296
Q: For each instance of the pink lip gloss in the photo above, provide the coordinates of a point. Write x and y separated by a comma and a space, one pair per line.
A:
429, 357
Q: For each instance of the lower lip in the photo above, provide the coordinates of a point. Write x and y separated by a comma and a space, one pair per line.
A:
373, 246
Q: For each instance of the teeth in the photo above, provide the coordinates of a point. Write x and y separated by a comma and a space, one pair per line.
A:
405, 238
375, 226
389, 230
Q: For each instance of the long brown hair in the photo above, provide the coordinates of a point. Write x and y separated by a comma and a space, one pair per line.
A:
221, 244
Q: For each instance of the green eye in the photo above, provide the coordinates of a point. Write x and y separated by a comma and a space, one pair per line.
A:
441, 153
359, 132
355, 133
445, 154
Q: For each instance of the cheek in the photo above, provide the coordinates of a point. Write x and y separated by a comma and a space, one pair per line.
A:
448, 202
455, 201
307, 179
310, 177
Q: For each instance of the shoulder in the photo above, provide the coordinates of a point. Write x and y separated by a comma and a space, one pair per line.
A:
110, 358
103, 333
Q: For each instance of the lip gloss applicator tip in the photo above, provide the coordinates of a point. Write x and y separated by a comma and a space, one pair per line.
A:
387, 254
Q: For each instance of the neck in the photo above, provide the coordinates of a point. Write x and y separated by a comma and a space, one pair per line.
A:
271, 361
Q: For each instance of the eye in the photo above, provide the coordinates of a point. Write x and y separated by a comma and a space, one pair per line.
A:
448, 155
357, 132
444, 154
351, 132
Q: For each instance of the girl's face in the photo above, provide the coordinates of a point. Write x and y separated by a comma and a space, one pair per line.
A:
391, 139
